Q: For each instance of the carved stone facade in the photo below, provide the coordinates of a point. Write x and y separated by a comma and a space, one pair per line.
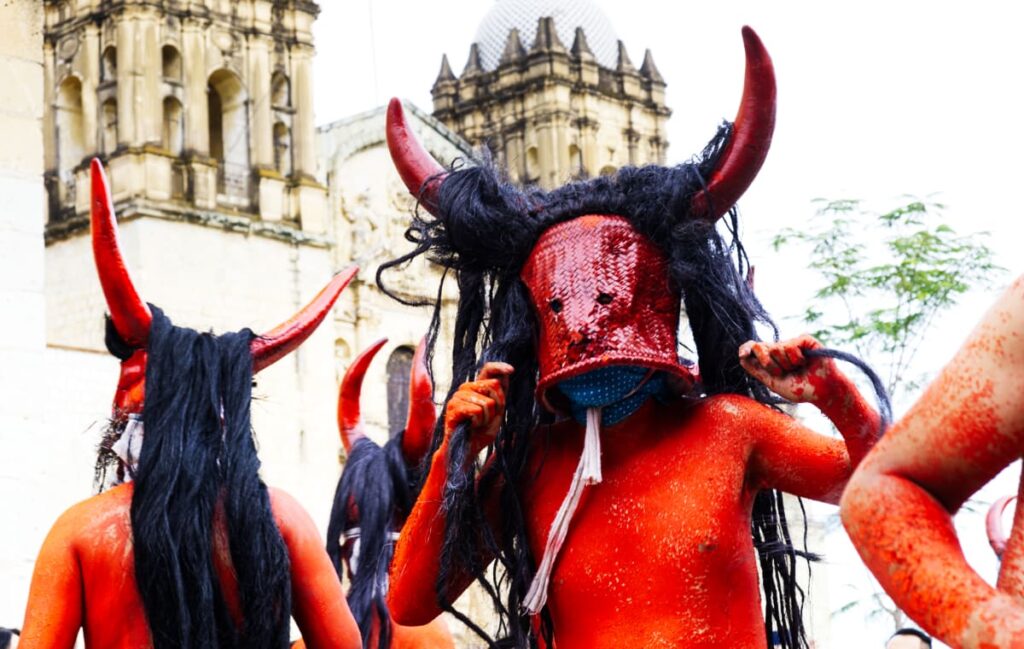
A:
198, 107
370, 210
550, 112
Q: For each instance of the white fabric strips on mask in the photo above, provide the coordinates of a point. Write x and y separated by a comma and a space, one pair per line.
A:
588, 472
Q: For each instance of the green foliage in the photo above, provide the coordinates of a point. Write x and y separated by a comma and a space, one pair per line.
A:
886, 276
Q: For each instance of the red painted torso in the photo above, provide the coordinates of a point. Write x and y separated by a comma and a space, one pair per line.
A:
659, 554
85, 578
103, 548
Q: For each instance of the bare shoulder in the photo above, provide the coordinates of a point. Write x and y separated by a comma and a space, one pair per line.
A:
292, 518
733, 407
743, 415
108, 510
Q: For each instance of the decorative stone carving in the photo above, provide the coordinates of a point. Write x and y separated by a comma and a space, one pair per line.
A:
67, 47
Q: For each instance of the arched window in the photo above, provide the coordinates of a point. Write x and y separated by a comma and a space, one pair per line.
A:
227, 107
279, 91
399, 370
70, 129
108, 65
171, 63
576, 160
108, 123
282, 149
174, 126
532, 163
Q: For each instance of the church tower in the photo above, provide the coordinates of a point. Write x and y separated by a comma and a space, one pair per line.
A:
201, 111
195, 106
550, 89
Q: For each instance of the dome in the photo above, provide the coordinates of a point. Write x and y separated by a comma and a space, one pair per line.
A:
524, 14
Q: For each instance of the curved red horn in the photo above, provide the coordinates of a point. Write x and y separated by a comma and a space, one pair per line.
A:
350, 420
994, 525
419, 426
751, 135
129, 313
418, 169
285, 337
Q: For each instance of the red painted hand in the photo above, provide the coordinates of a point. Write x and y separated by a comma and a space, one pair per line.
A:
481, 403
785, 369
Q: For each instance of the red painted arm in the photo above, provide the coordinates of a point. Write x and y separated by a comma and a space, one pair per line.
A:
318, 602
966, 427
55, 612
412, 598
788, 455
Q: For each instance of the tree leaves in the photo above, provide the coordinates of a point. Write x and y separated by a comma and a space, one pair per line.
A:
885, 276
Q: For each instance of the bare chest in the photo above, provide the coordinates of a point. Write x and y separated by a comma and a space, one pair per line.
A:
666, 534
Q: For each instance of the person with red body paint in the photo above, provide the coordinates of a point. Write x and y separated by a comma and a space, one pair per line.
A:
966, 427
627, 500
191, 549
372, 501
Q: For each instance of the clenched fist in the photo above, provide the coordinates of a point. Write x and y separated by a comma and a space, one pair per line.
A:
481, 403
787, 371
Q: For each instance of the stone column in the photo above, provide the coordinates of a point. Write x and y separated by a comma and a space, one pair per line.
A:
89, 64
127, 125
262, 113
303, 130
149, 72
193, 57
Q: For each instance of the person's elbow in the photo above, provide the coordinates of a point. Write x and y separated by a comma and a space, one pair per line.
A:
411, 609
859, 503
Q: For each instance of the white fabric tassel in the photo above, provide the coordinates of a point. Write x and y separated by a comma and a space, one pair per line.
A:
128, 446
588, 472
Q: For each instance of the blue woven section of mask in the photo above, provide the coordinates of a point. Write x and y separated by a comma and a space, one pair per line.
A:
607, 388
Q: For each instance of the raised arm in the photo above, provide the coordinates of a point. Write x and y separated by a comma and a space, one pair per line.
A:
54, 613
965, 429
412, 596
789, 456
318, 602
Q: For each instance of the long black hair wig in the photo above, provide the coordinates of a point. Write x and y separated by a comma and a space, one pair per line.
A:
198, 463
485, 229
375, 494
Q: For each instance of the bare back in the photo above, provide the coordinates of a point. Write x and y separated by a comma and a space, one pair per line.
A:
85, 578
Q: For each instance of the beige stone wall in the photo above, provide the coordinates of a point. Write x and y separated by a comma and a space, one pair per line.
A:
370, 210
22, 341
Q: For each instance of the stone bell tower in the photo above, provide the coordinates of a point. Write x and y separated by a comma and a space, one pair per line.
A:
198, 107
201, 111
550, 89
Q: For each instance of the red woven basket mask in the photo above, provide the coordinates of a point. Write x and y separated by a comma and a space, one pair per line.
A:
602, 295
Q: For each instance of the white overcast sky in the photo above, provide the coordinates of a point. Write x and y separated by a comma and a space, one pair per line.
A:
876, 99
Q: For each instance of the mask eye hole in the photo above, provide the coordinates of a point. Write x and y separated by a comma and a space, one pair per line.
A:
556, 305
604, 298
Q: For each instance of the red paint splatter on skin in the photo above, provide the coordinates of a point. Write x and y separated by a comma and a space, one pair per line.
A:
965, 428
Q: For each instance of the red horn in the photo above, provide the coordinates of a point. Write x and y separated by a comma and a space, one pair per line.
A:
751, 135
419, 426
994, 525
129, 313
419, 171
285, 337
350, 420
